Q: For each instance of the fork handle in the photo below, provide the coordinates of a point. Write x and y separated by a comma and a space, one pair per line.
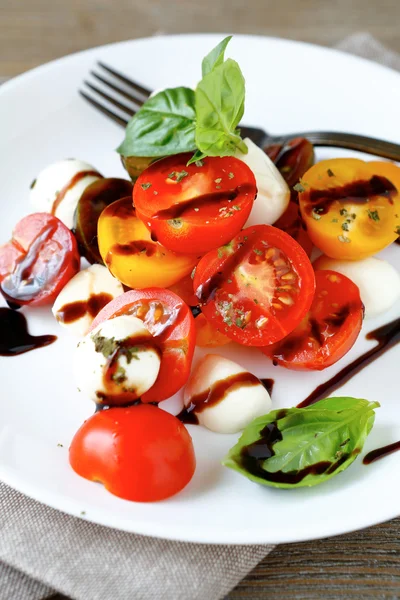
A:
351, 141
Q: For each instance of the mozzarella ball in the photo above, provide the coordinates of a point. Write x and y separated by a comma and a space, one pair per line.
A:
377, 280
84, 296
273, 192
135, 366
58, 188
229, 410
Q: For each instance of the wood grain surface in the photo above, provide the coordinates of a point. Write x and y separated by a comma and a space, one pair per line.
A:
360, 565
35, 31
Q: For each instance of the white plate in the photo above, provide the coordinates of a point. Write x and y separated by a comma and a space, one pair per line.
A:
290, 87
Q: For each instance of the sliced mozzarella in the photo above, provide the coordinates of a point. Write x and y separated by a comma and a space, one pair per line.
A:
273, 192
377, 280
238, 406
83, 297
58, 188
136, 373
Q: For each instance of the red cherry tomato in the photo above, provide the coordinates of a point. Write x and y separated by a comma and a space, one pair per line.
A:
328, 331
195, 208
140, 453
40, 259
257, 288
292, 223
184, 289
170, 321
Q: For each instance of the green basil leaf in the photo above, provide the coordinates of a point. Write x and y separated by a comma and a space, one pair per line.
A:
196, 157
299, 447
165, 125
219, 108
215, 57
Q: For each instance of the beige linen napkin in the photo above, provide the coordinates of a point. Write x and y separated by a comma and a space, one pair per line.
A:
44, 550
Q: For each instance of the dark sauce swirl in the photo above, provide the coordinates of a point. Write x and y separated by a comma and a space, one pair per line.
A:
22, 285
380, 453
215, 394
14, 335
356, 192
76, 310
71, 183
387, 336
253, 456
177, 210
131, 249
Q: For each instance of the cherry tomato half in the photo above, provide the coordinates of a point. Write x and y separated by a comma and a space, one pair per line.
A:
131, 255
40, 259
184, 289
95, 198
140, 453
292, 223
198, 207
328, 331
351, 207
170, 321
207, 335
293, 159
257, 288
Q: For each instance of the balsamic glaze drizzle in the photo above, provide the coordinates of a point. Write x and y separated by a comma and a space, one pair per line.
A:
387, 336
14, 335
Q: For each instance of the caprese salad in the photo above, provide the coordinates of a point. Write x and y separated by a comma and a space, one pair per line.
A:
209, 244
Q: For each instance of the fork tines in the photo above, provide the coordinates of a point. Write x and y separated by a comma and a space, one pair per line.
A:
113, 91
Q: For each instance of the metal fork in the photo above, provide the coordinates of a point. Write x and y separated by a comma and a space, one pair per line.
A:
124, 89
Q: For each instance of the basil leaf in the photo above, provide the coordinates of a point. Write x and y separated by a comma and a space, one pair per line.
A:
164, 125
215, 57
299, 447
219, 108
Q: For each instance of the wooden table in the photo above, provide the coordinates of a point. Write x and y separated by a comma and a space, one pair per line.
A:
359, 565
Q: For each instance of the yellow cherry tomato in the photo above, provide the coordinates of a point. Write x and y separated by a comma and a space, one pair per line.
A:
351, 208
131, 255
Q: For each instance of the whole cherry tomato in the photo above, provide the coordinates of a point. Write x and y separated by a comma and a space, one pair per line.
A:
139, 453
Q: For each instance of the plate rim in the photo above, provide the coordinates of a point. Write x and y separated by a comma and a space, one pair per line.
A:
16, 79
60, 501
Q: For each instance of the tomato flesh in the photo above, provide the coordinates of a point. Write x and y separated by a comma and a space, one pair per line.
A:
257, 288
170, 321
198, 207
184, 289
207, 335
131, 254
40, 259
140, 453
328, 331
